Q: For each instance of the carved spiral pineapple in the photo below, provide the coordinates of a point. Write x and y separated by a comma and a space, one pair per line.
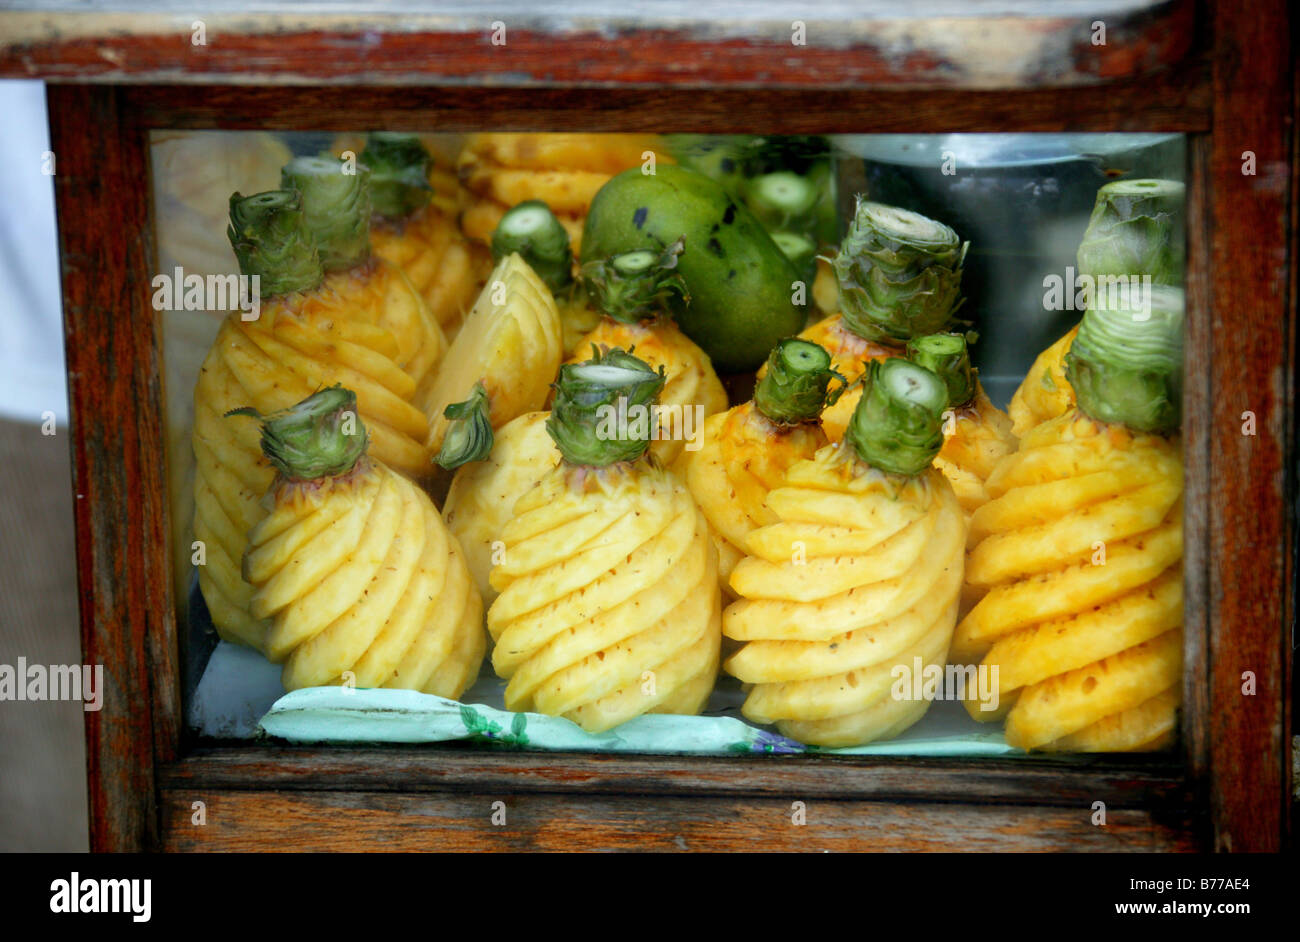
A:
859, 576
609, 605
1080, 553
364, 327
352, 566
1080, 549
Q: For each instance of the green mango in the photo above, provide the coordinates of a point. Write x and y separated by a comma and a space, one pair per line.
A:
742, 287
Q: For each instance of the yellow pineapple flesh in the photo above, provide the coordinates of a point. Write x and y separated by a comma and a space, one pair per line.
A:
443, 266
1045, 393
609, 605
361, 583
859, 575
743, 457
1079, 552
482, 497
691, 379
367, 329
975, 437
510, 342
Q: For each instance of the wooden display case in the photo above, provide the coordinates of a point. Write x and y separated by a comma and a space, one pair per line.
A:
1221, 73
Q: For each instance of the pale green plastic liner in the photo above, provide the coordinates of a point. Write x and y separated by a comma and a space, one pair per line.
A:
340, 715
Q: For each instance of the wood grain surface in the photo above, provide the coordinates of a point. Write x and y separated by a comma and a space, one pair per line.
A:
369, 821
101, 190
1252, 336
706, 44
1176, 100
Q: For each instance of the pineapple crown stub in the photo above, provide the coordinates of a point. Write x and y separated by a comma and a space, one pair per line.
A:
948, 357
532, 230
796, 386
639, 285
603, 408
899, 274
399, 173
336, 207
322, 436
469, 435
1126, 363
898, 423
270, 240
1136, 228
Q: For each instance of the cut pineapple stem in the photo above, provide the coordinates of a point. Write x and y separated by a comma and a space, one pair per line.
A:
634, 263
321, 436
1145, 188
898, 423
793, 390
601, 413
913, 384
947, 356
1126, 364
399, 167
532, 230
527, 221
905, 224
269, 239
783, 193
470, 436
796, 246
336, 208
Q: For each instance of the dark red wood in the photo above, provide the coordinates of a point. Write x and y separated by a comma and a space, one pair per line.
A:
1252, 337
351, 821
878, 48
1176, 100
118, 462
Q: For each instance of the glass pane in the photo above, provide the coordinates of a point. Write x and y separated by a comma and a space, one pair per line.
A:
882, 498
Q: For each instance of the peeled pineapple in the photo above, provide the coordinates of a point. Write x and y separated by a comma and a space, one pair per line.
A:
609, 605
414, 225
1080, 549
510, 343
634, 289
691, 379
859, 576
748, 451
1045, 393
446, 270
1080, 552
353, 568
975, 439
365, 327
483, 494
562, 170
